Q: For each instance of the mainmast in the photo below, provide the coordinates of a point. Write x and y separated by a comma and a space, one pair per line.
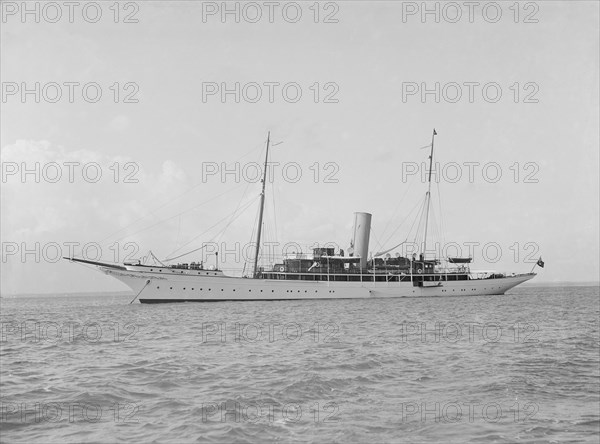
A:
428, 195
262, 207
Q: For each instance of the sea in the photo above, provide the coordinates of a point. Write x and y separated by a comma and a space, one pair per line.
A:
520, 368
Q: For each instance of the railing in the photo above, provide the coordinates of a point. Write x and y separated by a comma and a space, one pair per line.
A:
456, 269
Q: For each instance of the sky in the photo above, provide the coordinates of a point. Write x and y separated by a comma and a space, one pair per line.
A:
142, 127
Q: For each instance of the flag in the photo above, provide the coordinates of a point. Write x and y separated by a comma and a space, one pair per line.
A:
540, 263
434, 132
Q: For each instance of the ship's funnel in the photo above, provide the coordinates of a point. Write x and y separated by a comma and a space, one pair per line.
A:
360, 237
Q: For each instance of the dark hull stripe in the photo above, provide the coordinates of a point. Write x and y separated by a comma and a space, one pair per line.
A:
169, 301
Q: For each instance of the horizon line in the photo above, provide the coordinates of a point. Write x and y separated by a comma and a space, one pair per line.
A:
129, 292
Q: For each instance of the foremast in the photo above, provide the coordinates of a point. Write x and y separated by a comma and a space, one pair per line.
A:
262, 208
428, 195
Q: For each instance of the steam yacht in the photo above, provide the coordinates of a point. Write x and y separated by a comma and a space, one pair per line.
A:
324, 273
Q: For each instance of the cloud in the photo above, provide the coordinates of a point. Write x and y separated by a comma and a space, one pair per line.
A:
54, 195
119, 123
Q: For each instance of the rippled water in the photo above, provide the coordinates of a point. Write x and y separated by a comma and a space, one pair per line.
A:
522, 367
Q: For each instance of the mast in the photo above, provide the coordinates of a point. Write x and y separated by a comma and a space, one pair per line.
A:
428, 195
262, 207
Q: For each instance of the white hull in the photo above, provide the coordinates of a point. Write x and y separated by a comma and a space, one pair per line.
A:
209, 286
